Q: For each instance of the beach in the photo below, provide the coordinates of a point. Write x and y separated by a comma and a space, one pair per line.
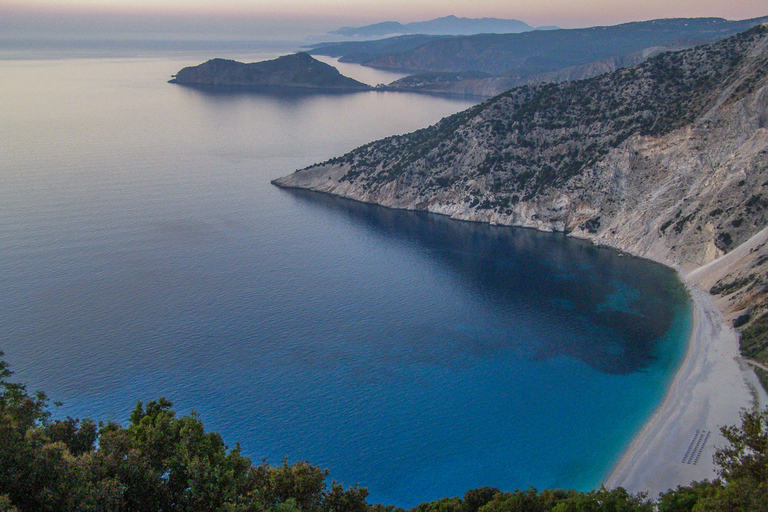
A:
677, 444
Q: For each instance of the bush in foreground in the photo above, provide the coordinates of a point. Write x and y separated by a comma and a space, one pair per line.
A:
163, 462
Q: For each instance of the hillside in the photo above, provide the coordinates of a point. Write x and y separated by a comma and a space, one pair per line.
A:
534, 56
484, 84
667, 160
299, 70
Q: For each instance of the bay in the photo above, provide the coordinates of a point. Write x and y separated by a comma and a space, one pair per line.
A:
145, 254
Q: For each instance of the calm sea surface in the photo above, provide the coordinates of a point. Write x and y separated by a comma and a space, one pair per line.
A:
144, 253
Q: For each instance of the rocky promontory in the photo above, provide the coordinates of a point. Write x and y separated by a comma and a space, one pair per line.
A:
298, 70
667, 160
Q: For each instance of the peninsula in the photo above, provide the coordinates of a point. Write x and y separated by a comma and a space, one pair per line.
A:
298, 70
666, 160
515, 59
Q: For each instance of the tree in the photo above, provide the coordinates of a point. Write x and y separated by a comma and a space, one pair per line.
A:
79, 436
350, 500
738, 496
23, 461
684, 498
159, 462
605, 500
476, 498
441, 505
746, 457
517, 501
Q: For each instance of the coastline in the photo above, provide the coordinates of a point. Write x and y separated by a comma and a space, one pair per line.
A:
708, 392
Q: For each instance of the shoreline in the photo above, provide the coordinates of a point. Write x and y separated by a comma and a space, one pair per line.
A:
709, 390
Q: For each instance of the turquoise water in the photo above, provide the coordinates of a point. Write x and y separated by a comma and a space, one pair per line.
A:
145, 254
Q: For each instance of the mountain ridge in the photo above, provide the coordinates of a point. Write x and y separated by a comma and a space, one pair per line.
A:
446, 25
519, 59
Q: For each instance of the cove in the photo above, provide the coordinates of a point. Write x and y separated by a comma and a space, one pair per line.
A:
560, 352
415, 355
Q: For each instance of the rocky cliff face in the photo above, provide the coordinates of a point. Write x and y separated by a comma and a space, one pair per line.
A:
666, 160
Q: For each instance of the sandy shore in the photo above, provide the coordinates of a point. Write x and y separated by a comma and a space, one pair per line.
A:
710, 389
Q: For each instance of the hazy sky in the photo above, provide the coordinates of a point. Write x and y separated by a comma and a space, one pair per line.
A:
247, 15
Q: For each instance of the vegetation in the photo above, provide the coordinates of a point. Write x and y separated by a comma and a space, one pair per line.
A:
749, 292
161, 462
532, 139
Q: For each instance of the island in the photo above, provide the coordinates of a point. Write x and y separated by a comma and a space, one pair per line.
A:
298, 70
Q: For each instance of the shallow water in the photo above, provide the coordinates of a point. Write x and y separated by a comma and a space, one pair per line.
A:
145, 254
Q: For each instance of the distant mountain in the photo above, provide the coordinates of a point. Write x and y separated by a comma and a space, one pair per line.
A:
448, 25
299, 70
523, 55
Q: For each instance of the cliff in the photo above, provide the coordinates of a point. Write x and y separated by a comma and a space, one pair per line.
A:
666, 160
298, 70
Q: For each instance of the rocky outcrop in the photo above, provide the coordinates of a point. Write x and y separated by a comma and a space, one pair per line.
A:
299, 70
666, 160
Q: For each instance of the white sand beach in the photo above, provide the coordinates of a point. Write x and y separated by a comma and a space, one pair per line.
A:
709, 391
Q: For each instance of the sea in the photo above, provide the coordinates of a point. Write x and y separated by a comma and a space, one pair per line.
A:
145, 254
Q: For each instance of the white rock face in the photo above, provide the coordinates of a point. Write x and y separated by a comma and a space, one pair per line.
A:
640, 192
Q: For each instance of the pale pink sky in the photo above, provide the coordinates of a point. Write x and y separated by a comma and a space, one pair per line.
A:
324, 15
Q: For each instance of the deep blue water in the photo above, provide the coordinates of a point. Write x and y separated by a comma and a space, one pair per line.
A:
144, 253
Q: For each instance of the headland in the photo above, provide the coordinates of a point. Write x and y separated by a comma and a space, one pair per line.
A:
668, 161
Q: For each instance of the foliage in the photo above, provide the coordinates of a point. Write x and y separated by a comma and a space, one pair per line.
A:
159, 462
684, 498
754, 339
746, 458
163, 462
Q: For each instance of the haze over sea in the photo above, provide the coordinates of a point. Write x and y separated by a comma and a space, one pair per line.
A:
145, 254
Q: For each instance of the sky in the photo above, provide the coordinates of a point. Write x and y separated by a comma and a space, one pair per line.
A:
274, 16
